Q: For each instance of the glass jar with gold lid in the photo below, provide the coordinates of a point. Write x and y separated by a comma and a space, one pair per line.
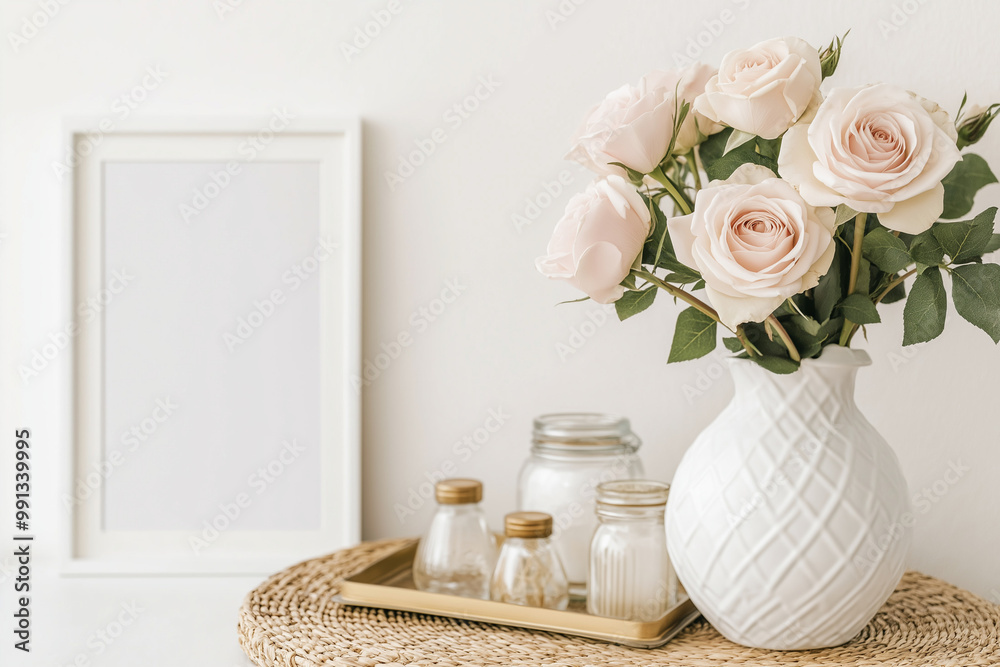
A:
458, 553
529, 571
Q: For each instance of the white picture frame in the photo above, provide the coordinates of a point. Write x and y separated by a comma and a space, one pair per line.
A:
109, 165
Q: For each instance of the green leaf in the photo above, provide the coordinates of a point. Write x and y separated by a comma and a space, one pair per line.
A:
926, 249
965, 241
962, 184
886, 251
993, 245
844, 213
733, 344
769, 147
681, 110
712, 148
633, 303
975, 289
807, 324
925, 310
724, 167
681, 273
694, 336
778, 365
830, 289
659, 240
859, 309
681, 278
764, 342
830, 330
803, 332
897, 293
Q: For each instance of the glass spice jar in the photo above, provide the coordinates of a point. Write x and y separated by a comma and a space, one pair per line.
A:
458, 553
630, 573
528, 571
571, 453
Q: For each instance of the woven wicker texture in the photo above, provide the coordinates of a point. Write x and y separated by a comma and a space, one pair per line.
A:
290, 621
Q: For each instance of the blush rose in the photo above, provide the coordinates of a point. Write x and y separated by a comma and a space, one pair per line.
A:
763, 90
877, 149
598, 239
634, 125
756, 243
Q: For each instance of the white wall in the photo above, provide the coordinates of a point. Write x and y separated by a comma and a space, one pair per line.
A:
495, 346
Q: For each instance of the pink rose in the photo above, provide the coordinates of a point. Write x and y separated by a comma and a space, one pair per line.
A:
598, 239
756, 243
634, 125
877, 149
763, 90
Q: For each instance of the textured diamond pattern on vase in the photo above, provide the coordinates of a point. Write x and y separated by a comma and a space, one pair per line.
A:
785, 522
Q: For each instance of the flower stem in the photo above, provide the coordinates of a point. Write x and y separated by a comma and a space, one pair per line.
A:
852, 283
679, 293
891, 286
793, 351
741, 335
859, 237
693, 301
695, 168
675, 194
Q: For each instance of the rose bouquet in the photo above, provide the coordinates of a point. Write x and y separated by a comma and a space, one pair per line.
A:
782, 214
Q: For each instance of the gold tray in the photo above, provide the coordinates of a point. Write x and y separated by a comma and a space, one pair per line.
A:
388, 584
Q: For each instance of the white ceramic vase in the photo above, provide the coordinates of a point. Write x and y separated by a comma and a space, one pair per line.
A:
789, 517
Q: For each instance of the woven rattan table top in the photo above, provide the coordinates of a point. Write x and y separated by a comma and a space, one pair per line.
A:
290, 620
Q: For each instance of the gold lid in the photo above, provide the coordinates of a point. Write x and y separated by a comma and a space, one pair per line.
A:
458, 491
527, 524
